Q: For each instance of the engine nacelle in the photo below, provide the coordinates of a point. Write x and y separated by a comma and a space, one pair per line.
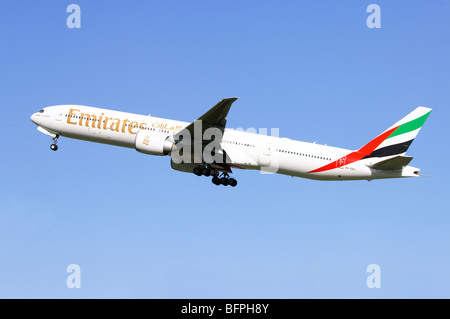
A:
153, 143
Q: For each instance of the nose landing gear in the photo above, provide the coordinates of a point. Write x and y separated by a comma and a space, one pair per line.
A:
54, 147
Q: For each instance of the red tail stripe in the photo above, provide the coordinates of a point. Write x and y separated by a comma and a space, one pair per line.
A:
357, 155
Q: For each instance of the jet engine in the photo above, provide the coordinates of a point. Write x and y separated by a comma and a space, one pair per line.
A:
153, 143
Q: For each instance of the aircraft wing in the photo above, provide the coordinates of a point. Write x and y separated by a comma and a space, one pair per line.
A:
214, 118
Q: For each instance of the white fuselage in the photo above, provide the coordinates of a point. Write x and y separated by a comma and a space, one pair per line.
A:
244, 150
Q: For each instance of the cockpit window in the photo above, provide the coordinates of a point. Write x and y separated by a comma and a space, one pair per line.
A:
41, 111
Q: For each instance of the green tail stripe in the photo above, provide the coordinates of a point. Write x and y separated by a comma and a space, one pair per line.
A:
410, 126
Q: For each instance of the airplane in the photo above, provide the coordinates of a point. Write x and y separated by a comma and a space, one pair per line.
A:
193, 149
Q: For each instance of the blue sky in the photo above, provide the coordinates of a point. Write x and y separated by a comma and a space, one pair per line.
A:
138, 229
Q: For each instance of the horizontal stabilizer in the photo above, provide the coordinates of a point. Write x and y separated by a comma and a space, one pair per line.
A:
397, 162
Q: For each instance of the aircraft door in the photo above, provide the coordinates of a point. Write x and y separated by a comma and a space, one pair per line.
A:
264, 154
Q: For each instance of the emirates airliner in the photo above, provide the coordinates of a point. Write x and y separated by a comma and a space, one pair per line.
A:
206, 147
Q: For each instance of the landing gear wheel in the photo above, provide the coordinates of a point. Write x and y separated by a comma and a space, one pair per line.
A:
54, 147
232, 182
214, 172
197, 171
206, 171
216, 180
224, 181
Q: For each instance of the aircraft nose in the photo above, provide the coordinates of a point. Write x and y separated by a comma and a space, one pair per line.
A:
35, 118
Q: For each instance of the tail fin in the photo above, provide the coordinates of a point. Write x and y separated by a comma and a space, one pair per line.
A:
393, 142
397, 139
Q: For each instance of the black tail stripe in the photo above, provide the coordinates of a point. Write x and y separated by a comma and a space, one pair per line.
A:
391, 150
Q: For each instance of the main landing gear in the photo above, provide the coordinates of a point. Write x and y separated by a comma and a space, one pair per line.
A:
54, 147
218, 178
